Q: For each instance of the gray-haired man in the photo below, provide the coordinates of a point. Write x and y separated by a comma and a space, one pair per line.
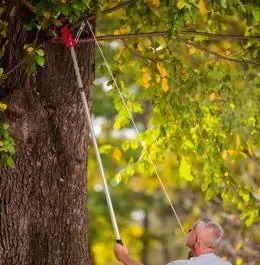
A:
202, 240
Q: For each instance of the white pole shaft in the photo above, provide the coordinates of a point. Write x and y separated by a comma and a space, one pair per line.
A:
94, 140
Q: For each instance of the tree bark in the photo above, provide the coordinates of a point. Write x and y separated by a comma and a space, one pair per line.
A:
43, 213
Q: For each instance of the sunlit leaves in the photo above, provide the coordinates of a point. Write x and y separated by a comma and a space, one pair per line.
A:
7, 146
180, 4
202, 7
35, 57
185, 169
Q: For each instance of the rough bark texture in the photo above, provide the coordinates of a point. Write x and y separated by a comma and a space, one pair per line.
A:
43, 217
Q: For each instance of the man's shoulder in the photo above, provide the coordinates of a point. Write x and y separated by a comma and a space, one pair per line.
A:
178, 262
223, 262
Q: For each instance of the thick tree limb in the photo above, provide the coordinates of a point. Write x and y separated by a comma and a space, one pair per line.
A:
196, 46
153, 34
27, 4
162, 33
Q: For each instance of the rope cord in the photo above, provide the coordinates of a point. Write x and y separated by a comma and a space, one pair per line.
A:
136, 129
80, 31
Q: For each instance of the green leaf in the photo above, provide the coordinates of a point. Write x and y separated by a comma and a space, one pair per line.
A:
40, 60
40, 52
180, 4
223, 3
211, 192
256, 13
8, 161
185, 170
130, 170
105, 148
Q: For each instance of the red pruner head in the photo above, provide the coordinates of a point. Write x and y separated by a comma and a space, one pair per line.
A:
67, 37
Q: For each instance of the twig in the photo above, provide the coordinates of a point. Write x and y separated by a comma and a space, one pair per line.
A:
17, 66
107, 11
214, 53
135, 53
27, 4
216, 35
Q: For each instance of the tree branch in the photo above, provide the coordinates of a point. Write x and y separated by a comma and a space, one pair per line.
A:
27, 4
122, 5
17, 66
161, 33
115, 37
216, 35
107, 11
196, 46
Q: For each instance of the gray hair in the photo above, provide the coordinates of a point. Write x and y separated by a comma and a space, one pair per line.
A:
215, 229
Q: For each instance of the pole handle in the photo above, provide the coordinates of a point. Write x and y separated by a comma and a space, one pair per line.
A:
119, 241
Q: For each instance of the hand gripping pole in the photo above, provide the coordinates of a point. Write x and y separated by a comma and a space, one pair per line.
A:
93, 136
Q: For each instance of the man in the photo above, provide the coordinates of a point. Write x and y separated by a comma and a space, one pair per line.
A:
202, 240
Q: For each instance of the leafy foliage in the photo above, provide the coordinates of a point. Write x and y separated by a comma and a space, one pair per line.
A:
198, 102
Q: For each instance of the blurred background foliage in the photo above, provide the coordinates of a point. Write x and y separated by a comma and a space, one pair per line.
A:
198, 116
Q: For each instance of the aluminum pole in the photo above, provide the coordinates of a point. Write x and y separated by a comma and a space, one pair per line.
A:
95, 144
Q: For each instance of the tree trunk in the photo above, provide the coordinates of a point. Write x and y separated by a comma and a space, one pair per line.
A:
43, 200
145, 238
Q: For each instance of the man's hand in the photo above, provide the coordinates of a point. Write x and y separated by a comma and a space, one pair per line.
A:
121, 252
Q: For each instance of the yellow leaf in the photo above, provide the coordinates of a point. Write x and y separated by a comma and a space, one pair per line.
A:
228, 52
158, 79
193, 50
224, 155
146, 80
202, 7
197, 97
117, 154
129, 104
140, 47
212, 96
239, 261
185, 170
165, 85
30, 49
122, 30
239, 245
154, 3
63, 1
250, 152
116, 32
117, 55
180, 4
3, 106
232, 106
237, 141
1, 143
226, 44
162, 70
47, 15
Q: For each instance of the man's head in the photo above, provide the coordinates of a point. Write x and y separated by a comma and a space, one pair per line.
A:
204, 236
